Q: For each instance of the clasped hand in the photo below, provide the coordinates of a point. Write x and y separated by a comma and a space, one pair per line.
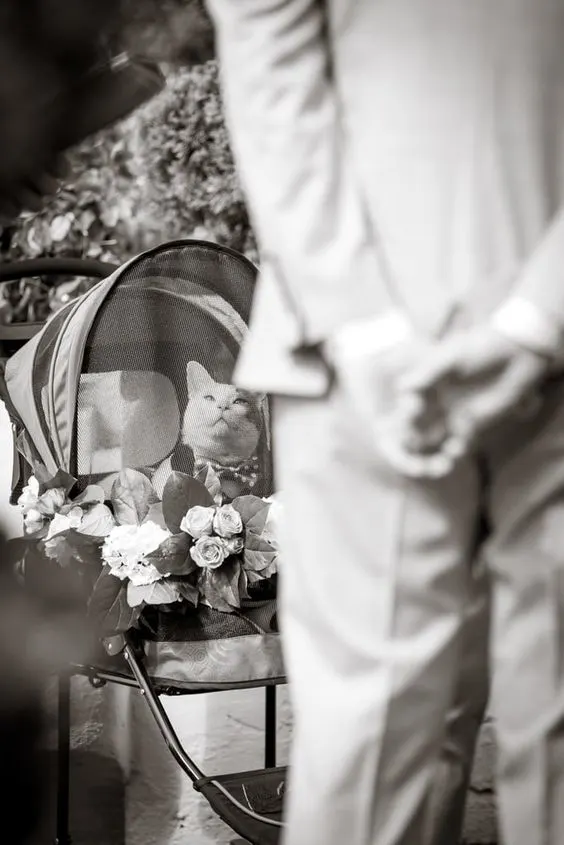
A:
448, 393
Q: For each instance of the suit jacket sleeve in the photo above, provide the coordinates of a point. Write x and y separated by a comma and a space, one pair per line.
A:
542, 279
534, 314
287, 135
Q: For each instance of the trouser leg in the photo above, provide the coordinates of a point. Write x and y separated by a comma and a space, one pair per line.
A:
526, 555
373, 589
452, 777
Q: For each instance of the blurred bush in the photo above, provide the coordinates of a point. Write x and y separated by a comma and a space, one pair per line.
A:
166, 172
184, 170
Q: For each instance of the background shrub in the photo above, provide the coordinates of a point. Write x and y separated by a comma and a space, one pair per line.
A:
166, 172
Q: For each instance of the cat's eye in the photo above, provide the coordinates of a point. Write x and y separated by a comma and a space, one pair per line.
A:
209, 397
240, 401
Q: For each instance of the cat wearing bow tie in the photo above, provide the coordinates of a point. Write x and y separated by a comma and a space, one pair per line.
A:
221, 429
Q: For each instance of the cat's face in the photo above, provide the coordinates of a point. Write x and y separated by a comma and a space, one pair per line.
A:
221, 422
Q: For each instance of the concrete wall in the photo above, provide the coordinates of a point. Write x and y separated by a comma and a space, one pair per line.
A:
125, 787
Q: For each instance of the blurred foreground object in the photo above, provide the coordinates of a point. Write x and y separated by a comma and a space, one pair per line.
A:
166, 171
62, 79
39, 634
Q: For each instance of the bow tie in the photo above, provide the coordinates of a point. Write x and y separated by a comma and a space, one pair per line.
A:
247, 472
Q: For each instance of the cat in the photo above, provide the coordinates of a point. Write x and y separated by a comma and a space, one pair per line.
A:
221, 429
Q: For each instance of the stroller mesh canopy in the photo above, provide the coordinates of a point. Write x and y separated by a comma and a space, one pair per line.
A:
157, 369
123, 350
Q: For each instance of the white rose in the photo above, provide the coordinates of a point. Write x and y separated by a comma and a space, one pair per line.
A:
198, 521
29, 495
33, 521
234, 545
51, 501
271, 530
126, 548
227, 521
209, 552
62, 522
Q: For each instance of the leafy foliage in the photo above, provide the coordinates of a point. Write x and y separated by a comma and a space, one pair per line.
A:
184, 165
166, 172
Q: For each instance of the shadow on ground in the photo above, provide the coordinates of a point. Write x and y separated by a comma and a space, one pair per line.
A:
97, 800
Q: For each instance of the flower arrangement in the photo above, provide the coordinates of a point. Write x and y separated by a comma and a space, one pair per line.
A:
190, 546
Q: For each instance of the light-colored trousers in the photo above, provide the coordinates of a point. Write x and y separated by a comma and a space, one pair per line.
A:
375, 594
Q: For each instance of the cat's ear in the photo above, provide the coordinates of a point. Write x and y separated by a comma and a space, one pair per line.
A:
197, 378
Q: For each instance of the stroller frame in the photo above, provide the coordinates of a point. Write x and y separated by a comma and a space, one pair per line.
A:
214, 789
98, 678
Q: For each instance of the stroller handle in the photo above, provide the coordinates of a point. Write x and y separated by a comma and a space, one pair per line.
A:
12, 271
28, 268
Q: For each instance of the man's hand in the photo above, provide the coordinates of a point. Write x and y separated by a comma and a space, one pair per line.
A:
408, 430
481, 376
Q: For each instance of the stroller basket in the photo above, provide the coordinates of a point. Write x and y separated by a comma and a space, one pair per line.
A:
147, 494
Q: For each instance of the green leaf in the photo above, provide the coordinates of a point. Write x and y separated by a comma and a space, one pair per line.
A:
243, 583
182, 492
91, 495
220, 587
71, 549
259, 556
97, 521
104, 593
254, 512
132, 495
210, 479
272, 568
60, 479
188, 591
155, 514
160, 592
108, 605
173, 556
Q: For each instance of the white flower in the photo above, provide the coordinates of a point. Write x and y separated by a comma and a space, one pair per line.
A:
29, 495
97, 521
126, 548
33, 521
234, 545
48, 503
198, 521
51, 501
209, 552
62, 522
227, 521
272, 526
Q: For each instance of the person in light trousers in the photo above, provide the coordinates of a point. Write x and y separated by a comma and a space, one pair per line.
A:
403, 163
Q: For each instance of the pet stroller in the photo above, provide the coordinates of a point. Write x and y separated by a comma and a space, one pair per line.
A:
146, 479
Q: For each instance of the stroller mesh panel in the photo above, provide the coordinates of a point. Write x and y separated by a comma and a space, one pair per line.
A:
154, 334
203, 265
182, 625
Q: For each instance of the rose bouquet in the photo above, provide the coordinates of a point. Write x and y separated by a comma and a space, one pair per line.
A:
187, 547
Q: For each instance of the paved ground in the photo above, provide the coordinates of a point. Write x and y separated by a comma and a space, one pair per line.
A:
151, 809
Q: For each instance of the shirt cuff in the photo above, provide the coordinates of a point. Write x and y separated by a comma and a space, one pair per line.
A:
369, 336
530, 327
